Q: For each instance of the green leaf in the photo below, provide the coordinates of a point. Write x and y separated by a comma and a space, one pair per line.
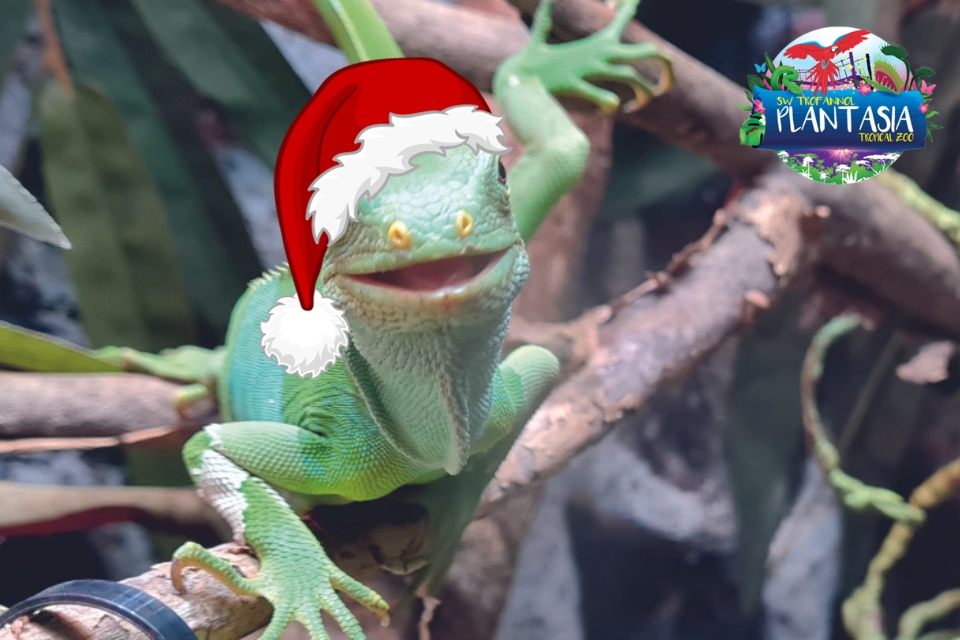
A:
751, 133
20, 211
105, 289
259, 49
930, 114
213, 250
128, 287
31, 351
746, 107
879, 87
770, 65
13, 25
764, 438
140, 221
895, 51
754, 80
358, 30
933, 125
754, 137
216, 67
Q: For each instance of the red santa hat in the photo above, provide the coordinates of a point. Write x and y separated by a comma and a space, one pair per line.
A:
363, 125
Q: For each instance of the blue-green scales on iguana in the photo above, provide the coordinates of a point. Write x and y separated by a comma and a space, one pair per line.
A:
424, 274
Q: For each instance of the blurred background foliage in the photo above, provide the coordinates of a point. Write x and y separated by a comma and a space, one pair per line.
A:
161, 251
156, 159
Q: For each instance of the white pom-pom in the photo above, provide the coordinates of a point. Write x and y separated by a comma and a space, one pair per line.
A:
304, 342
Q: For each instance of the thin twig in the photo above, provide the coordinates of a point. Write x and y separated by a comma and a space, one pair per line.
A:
52, 52
920, 615
862, 613
680, 263
854, 493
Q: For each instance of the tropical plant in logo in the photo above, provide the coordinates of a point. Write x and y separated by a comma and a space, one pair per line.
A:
838, 105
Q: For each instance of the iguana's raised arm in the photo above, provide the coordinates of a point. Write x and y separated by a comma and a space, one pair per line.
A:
555, 149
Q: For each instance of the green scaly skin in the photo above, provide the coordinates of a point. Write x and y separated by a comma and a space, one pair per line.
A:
418, 395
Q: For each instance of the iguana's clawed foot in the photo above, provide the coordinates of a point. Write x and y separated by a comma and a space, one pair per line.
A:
573, 68
298, 586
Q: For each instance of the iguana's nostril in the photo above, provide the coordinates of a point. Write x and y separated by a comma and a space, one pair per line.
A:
399, 235
463, 223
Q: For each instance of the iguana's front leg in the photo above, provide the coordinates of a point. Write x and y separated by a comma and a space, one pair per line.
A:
555, 150
296, 575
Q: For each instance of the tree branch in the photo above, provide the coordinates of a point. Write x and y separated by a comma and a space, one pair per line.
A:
91, 405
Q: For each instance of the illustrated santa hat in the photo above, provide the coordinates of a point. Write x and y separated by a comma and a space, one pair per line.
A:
363, 125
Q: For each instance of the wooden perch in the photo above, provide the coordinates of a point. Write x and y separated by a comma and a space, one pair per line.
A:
54, 405
652, 341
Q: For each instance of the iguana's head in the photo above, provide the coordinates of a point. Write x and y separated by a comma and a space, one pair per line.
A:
435, 247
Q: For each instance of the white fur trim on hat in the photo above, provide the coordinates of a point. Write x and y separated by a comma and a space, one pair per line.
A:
386, 150
304, 342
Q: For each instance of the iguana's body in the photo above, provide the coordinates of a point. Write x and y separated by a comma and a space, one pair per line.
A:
419, 393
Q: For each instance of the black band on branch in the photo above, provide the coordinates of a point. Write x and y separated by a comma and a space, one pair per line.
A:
148, 614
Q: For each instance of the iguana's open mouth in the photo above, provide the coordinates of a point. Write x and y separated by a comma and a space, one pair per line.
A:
435, 275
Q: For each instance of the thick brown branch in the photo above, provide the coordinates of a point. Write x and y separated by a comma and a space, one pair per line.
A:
872, 237
652, 341
93, 405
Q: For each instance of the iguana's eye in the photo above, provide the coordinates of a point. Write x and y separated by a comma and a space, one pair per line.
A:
502, 171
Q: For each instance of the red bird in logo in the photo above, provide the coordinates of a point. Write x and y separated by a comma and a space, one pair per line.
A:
826, 72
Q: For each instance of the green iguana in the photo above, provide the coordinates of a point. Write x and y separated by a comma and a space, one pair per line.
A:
418, 393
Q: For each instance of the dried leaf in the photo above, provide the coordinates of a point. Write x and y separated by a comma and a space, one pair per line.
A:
931, 364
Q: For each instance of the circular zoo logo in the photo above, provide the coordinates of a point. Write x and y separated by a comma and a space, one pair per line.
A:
838, 105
